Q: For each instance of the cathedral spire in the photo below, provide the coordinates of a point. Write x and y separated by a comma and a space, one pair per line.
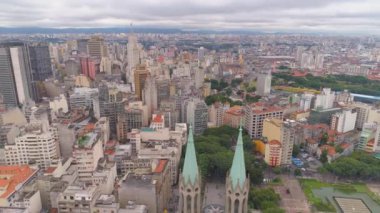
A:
190, 167
237, 172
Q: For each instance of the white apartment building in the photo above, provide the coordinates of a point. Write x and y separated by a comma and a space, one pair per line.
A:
87, 152
305, 101
325, 100
344, 121
35, 144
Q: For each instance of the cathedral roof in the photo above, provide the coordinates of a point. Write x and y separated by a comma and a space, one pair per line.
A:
237, 172
190, 167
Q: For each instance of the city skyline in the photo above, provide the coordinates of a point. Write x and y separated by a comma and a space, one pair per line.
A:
351, 17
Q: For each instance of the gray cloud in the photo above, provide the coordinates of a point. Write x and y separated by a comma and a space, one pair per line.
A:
318, 15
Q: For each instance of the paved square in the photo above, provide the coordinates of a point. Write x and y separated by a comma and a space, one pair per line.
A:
351, 205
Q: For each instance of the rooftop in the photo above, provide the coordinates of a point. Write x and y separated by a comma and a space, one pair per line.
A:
88, 140
12, 176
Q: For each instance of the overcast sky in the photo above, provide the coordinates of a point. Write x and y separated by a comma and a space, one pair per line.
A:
289, 15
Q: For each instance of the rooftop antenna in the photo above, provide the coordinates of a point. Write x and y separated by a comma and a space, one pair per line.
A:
131, 28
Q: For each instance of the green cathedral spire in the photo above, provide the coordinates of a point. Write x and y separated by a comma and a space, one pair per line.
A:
237, 172
190, 167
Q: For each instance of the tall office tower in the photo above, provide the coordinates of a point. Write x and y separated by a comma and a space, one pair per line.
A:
88, 67
16, 83
171, 113
163, 90
256, 114
40, 61
325, 100
109, 103
82, 46
95, 47
237, 182
305, 102
196, 114
264, 81
190, 180
275, 129
344, 121
134, 116
141, 73
150, 94
199, 77
133, 54
36, 143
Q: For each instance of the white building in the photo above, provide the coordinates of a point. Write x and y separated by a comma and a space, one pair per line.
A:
83, 97
133, 57
344, 121
305, 101
58, 104
87, 152
263, 86
325, 100
35, 144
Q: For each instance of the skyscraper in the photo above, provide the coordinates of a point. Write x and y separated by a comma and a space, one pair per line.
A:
264, 81
96, 47
140, 74
82, 46
133, 54
15, 74
40, 62
196, 112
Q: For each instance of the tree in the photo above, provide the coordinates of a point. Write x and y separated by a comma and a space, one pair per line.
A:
296, 150
297, 172
323, 158
264, 198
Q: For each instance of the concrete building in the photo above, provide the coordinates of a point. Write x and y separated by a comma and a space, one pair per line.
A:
82, 46
58, 105
88, 67
344, 121
87, 152
216, 113
284, 132
152, 190
135, 116
78, 198
16, 83
196, 114
158, 122
237, 181
234, 116
95, 46
36, 143
40, 62
362, 111
255, 114
106, 65
325, 100
83, 98
190, 180
141, 73
369, 140
264, 82
306, 101
199, 77
150, 94
133, 58
110, 103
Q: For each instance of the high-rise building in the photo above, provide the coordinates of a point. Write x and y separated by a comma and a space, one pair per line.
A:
109, 103
284, 132
264, 81
150, 97
141, 73
40, 61
325, 100
362, 110
305, 101
216, 113
95, 47
344, 121
88, 67
133, 57
369, 139
237, 181
199, 77
255, 114
16, 83
82, 46
190, 180
196, 112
